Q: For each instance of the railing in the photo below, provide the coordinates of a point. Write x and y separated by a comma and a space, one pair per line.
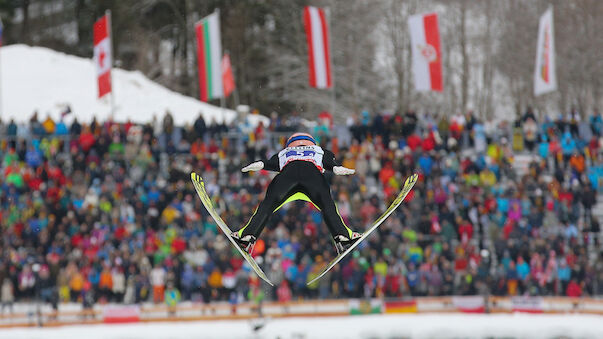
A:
34, 315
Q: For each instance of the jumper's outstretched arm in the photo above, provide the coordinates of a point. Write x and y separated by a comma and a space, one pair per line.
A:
254, 166
340, 170
269, 165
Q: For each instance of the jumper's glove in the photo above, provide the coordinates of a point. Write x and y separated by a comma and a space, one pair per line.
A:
340, 170
254, 166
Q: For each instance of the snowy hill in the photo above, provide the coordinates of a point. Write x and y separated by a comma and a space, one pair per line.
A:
35, 78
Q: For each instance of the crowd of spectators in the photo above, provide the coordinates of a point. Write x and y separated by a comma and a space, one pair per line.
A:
105, 212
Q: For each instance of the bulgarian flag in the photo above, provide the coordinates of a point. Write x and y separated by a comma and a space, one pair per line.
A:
426, 54
209, 57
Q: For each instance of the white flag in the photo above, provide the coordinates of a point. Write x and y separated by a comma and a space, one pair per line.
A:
426, 54
545, 78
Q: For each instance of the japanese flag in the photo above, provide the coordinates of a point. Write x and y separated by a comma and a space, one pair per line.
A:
102, 54
426, 55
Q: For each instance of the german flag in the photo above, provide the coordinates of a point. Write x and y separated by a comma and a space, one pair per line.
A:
406, 306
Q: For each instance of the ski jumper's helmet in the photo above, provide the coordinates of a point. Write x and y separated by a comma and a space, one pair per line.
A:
300, 139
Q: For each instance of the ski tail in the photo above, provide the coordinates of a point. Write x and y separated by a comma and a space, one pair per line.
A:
408, 185
206, 200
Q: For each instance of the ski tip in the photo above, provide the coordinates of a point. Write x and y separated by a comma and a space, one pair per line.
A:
411, 179
196, 177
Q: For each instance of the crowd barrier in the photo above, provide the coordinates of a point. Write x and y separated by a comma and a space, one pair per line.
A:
31, 314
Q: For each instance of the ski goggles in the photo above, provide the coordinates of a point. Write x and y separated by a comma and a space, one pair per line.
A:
300, 137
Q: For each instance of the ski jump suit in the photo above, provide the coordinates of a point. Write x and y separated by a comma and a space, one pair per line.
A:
301, 178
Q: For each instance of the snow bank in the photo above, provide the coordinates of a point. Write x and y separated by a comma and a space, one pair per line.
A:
36, 78
373, 326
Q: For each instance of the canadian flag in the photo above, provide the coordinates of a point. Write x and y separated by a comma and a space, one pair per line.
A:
317, 35
102, 53
426, 55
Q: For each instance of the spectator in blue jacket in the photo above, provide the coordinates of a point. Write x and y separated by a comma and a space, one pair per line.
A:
568, 145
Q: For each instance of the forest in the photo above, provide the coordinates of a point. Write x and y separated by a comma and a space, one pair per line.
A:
488, 48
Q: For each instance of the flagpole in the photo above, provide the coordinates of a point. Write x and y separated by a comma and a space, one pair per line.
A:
222, 97
222, 109
108, 14
333, 97
236, 97
235, 90
1, 73
1, 100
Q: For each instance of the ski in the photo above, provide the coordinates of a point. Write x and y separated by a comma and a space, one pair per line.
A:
408, 185
206, 200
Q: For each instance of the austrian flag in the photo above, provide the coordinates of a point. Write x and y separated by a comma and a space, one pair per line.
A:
317, 35
426, 55
102, 54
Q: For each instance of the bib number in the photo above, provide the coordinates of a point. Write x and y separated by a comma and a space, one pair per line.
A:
312, 154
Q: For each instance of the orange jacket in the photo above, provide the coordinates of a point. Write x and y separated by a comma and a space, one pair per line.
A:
106, 280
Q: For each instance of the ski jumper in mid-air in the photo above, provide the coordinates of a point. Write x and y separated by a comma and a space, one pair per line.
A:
301, 165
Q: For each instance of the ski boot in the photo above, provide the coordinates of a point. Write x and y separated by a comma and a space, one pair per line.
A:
342, 243
246, 242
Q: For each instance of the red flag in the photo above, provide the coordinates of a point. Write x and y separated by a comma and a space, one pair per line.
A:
227, 77
317, 36
102, 54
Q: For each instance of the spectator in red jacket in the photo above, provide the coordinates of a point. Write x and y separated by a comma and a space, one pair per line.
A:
573, 289
465, 231
413, 141
284, 292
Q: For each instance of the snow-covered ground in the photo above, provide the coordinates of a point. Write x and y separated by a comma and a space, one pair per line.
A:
370, 326
36, 78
